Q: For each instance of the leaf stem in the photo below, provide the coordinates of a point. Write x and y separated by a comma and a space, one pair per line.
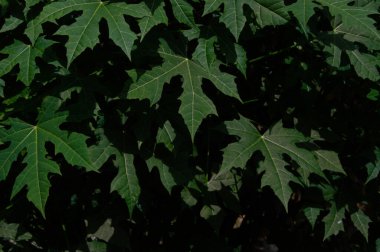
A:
270, 54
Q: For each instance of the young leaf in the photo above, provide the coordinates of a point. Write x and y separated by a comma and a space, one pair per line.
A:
361, 222
333, 221
24, 56
85, 31
195, 105
33, 138
273, 144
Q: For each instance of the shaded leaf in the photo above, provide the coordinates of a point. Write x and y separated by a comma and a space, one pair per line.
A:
303, 10
24, 56
126, 182
333, 221
33, 138
195, 105
11, 23
312, 214
361, 222
275, 142
85, 31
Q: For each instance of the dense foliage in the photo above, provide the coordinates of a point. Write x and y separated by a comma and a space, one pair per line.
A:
189, 125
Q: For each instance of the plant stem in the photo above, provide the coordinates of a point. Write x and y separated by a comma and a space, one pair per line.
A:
270, 54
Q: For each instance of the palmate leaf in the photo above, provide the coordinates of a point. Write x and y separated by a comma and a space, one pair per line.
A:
361, 222
275, 142
270, 12
32, 138
85, 31
354, 22
195, 105
24, 56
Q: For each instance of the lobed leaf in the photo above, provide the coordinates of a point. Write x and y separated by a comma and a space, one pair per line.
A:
33, 138
195, 105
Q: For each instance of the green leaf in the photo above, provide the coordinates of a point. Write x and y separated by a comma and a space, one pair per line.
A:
353, 22
183, 12
155, 15
126, 182
29, 4
303, 10
365, 65
269, 12
205, 53
195, 105
373, 169
233, 16
329, 160
166, 136
361, 222
24, 56
11, 23
2, 85
85, 31
333, 221
32, 138
312, 214
275, 142
224, 177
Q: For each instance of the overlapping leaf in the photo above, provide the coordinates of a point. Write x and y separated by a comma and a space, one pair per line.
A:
32, 138
24, 56
195, 105
276, 142
85, 31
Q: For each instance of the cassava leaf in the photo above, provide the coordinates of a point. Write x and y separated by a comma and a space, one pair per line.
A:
361, 222
85, 31
333, 221
24, 56
33, 138
195, 105
275, 142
